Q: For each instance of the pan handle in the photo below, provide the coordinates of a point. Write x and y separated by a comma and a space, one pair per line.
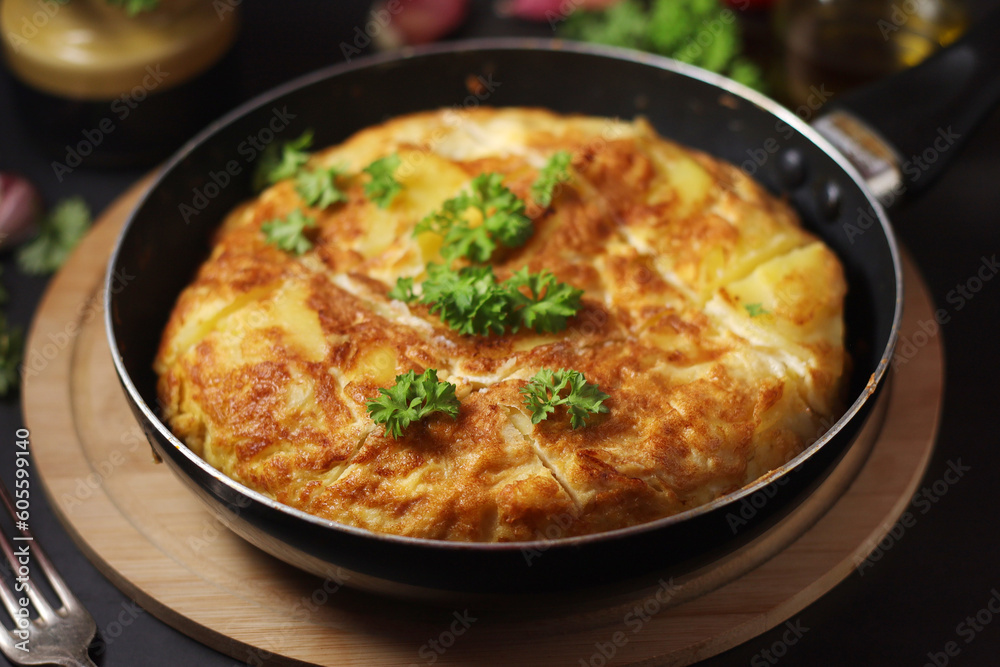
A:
902, 131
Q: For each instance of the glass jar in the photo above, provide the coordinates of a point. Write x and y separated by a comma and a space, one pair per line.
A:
99, 86
830, 46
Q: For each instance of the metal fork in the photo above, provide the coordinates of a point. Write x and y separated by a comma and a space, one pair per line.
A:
57, 636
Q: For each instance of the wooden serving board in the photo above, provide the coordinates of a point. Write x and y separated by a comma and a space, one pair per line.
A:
152, 538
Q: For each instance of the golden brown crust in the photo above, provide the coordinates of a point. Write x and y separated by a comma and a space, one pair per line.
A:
712, 320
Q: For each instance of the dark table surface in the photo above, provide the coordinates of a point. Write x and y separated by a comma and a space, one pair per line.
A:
927, 590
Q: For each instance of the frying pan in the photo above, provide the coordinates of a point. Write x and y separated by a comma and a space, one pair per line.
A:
167, 237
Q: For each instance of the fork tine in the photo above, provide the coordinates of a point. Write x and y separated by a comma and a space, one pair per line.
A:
59, 587
9, 601
42, 605
7, 643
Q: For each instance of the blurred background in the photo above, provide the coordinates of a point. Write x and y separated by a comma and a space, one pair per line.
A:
156, 73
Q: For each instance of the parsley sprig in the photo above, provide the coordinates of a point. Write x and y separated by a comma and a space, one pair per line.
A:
672, 28
288, 233
412, 398
282, 160
11, 353
383, 187
286, 159
555, 171
503, 220
59, 233
549, 303
472, 301
318, 187
545, 392
468, 300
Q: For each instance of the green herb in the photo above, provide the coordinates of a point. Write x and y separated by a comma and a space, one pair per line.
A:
288, 233
460, 239
59, 233
132, 7
383, 186
412, 398
403, 290
11, 353
755, 309
282, 160
503, 220
624, 23
471, 301
700, 32
468, 300
544, 393
555, 171
549, 303
318, 187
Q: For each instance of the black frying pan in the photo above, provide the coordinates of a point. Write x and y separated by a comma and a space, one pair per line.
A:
168, 235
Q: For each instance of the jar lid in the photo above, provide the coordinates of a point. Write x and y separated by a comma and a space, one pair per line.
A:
88, 49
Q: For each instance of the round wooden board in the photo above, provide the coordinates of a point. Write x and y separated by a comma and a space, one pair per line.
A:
155, 541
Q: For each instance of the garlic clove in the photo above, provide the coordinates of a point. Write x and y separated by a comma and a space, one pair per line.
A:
417, 21
20, 208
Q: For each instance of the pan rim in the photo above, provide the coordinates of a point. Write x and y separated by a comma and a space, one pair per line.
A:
509, 44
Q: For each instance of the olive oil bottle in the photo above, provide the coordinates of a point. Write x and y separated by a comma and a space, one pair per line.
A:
835, 45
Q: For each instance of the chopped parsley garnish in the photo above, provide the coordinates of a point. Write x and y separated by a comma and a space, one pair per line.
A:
755, 309
471, 301
403, 290
547, 390
549, 303
288, 233
468, 300
555, 171
59, 233
383, 186
282, 160
674, 28
318, 187
503, 220
11, 353
412, 398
